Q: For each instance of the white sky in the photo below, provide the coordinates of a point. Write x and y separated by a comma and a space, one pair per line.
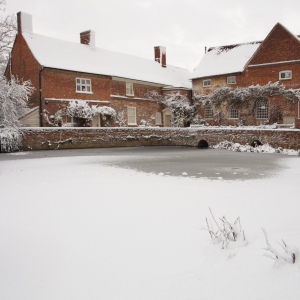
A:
184, 27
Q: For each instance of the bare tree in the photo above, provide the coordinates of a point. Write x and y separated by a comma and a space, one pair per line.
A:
8, 30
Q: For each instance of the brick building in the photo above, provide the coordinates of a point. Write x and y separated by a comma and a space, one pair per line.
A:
63, 71
276, 58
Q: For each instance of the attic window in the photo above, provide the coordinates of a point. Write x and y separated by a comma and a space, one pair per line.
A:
207, 82
129, 89
285, 75
83, 85
231, 80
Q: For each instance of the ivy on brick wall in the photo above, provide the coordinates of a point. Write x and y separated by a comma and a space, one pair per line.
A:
247, 98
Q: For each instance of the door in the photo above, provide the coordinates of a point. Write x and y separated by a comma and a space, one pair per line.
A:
167, 118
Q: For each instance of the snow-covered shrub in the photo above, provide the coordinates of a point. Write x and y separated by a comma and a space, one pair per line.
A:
226, 232
182, 109
10, 139
289, 255
108, 115
54, 120
265, 148
121, 118
13, 104
80, 109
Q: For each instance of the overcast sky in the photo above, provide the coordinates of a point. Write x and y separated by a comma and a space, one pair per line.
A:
184, 27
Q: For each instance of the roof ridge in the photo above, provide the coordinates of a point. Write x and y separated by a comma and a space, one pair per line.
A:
229, 47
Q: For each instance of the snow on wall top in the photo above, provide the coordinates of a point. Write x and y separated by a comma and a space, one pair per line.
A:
71, 56
225, 60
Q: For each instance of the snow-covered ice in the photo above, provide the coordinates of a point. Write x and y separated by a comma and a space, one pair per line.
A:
74, 228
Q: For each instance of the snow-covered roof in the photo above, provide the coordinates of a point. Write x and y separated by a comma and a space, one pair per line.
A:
225, 60
228, 59
66, 55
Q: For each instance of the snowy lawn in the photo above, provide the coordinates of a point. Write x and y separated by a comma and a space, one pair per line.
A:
72, 228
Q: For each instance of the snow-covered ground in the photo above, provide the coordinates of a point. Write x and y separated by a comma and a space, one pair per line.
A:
74, 228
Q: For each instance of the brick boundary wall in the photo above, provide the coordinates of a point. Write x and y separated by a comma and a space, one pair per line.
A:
79, 138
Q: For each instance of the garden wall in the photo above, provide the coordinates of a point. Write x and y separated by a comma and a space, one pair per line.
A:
77, 138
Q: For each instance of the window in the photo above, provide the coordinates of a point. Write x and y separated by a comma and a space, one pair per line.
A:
262, 109
285, 75
158, 118
299, 109
231, 80
131, 113
208, 113
233, 112
207, 82
129, 89
83, 85
72, 120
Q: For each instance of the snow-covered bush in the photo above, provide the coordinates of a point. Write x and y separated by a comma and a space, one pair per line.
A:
121, 118
108, 115
10, 139
226, 232
84, 113
81, 110
13, 104
54, 120
289, 255
266, 148
184, 112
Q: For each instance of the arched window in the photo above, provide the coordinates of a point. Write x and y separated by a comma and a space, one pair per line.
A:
233, 112
262, 110
208, 113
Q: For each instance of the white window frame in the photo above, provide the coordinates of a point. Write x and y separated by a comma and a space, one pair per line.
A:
262, 111
129, 89
71, 120
287, 75
298, 109
231, 80
208, 111
131, 115
233, 112
206, 82
83, 85
158, 118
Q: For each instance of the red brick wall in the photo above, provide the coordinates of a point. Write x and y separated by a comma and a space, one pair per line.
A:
140, 90
25, 67
279, 45
62, 84
145, 109
72, 138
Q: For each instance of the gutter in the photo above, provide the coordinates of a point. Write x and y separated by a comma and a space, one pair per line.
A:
40, 92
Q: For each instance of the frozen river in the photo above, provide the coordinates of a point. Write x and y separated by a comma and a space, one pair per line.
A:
176, 161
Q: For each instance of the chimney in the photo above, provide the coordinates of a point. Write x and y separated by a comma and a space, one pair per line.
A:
160, 55
88, 38
24, 22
